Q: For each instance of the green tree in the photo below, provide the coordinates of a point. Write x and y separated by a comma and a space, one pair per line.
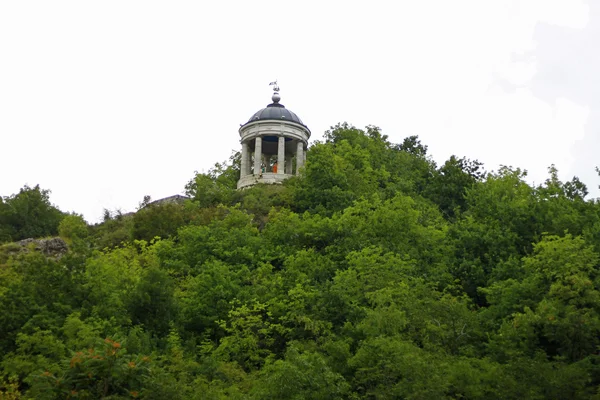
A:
390, 368
101, 371
151, 303
448, 186
354, 163
115, 231
36, 292
405, 225
254, 336
555, 307
73, 227
159, 220
29, 214
300, 375
218, 185
562, 207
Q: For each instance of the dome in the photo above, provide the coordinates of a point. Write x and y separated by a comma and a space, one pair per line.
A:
275, 111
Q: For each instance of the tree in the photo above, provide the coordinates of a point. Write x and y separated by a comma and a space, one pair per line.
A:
29, 214
355, 163
390, 368
218, 185
73, 229
159, 220
300, 375
562, 206
101, 371
151, 303
450, 183
556, 305
373, 274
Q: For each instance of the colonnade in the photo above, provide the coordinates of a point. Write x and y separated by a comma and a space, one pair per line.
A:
284, 164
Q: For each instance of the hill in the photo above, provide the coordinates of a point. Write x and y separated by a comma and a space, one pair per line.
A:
375, 274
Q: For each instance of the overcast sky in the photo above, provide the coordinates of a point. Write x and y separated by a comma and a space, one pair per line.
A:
104, 102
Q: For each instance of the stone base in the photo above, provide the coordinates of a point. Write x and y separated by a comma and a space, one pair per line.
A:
265, 177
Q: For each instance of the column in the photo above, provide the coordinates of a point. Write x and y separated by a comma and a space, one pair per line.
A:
257, 155
281, 155
288, 165
299, 156
244, 166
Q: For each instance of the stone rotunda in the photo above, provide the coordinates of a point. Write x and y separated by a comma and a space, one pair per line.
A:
274, 142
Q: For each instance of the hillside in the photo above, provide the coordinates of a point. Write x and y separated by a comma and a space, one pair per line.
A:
377, 274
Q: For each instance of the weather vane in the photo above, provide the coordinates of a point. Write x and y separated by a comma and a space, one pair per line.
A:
276, 88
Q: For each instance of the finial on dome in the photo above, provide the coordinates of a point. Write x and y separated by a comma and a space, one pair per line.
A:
276, 97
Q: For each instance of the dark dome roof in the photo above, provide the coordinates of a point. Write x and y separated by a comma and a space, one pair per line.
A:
275, 111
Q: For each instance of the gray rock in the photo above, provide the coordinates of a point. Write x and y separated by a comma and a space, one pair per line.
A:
55, 247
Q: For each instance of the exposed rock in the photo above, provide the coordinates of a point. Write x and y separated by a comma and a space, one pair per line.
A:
177, 199
55, 247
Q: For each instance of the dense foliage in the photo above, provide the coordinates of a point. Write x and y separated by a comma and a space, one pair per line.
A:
377, 274
28, 214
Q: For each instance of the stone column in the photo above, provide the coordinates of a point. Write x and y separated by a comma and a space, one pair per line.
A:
257, 155
244, 166
288, 165
299, 156
281, 156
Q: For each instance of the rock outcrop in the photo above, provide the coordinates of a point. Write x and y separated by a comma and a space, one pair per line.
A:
54, 247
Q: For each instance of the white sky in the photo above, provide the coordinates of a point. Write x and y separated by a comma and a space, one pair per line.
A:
105, 102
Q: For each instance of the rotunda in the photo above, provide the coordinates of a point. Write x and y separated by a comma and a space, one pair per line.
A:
274, 142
